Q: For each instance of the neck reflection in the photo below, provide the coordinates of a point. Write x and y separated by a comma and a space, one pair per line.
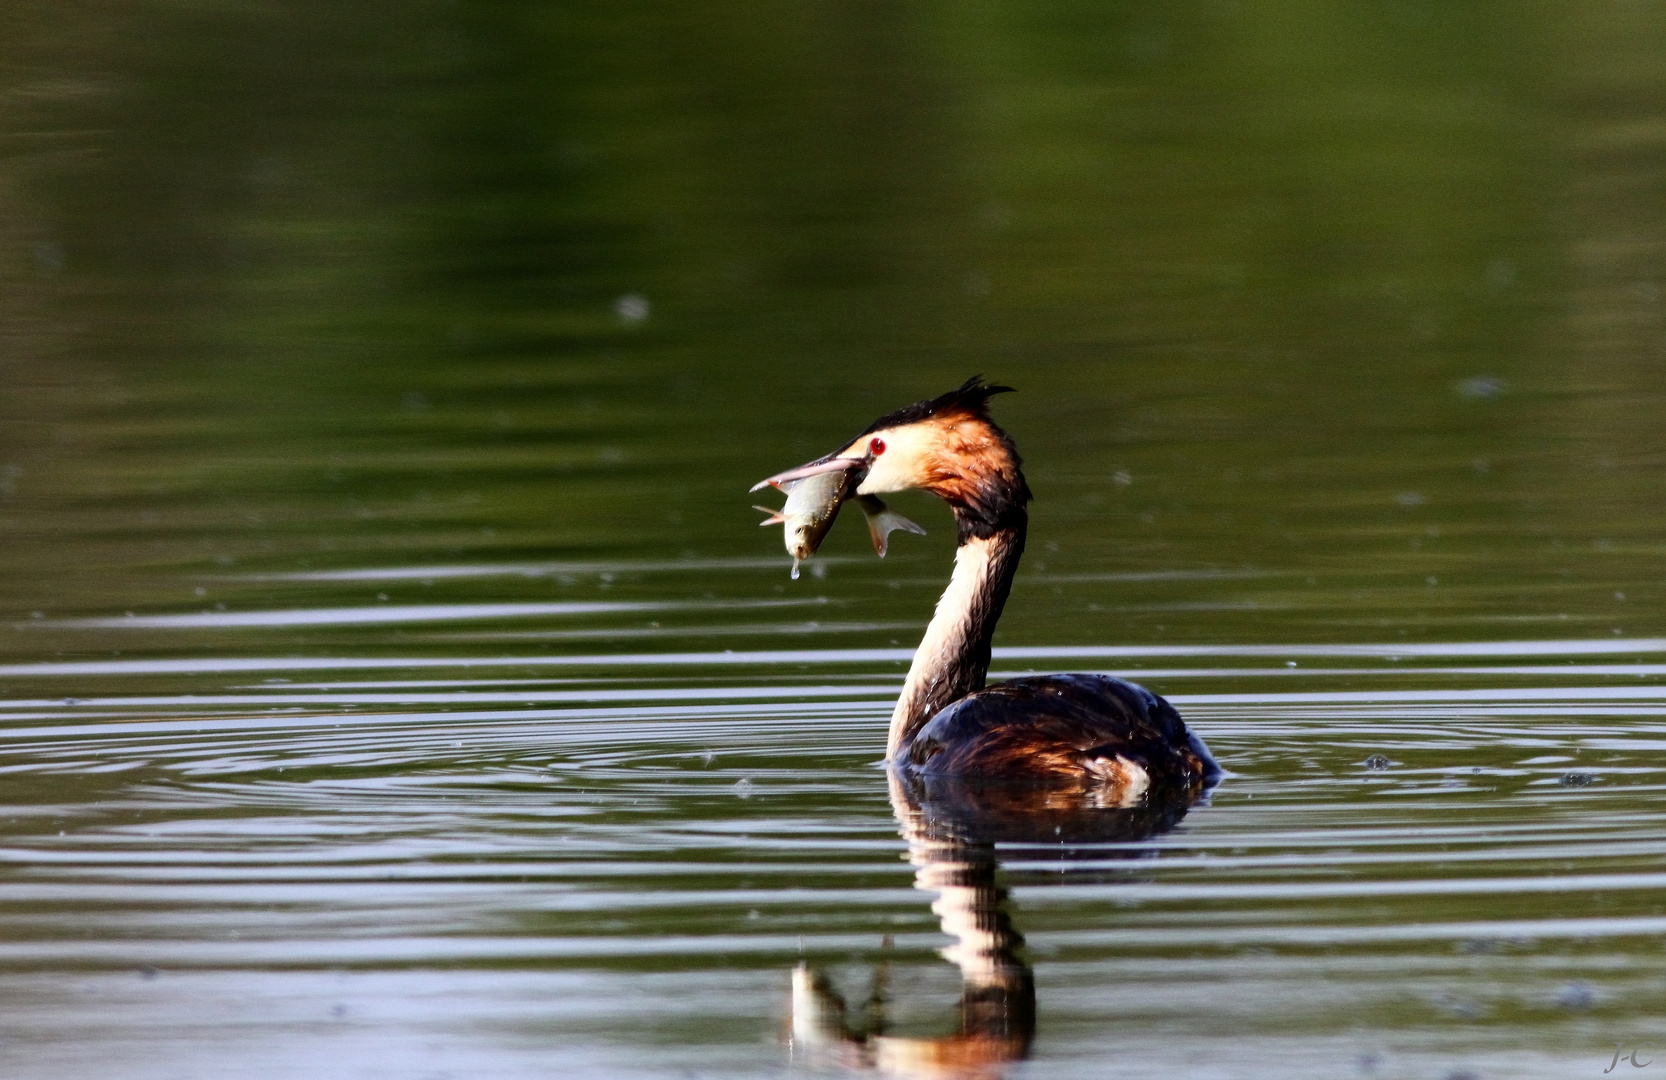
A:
952, 829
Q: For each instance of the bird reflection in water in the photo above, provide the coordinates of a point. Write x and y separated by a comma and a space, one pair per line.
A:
952, 827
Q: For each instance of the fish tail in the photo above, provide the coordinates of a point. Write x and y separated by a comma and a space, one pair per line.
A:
883, 521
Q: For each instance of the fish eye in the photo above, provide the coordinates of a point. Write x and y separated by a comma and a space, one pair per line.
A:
877, 447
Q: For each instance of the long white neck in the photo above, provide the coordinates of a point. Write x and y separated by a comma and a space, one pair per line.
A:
953, 657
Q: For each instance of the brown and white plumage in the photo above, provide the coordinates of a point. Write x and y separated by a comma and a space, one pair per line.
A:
1074, 729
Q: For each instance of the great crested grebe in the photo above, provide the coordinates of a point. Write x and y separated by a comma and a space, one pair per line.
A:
1089, 731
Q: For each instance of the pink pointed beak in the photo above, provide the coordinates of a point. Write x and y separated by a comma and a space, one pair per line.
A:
820, 465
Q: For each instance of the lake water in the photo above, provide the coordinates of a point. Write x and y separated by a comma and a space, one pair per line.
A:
394, 681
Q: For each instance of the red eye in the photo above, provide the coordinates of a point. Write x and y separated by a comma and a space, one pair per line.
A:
877, 447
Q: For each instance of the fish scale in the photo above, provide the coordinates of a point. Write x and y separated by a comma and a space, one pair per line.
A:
813, 504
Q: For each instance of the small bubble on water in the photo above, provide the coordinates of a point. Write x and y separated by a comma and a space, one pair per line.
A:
743, 788
1576, 995
49, 255
1481, 386
1576, 779
632, 308
1459, 1006
1377, 762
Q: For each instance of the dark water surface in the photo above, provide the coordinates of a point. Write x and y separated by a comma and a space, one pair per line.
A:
394, 681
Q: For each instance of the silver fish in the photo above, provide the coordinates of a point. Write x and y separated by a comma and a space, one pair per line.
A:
813, 503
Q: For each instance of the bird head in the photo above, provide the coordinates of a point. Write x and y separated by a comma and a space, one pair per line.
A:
946, 445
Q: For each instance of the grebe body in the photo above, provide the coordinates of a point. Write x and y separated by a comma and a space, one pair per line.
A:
1072, 729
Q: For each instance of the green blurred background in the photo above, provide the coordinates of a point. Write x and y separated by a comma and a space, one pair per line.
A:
1333, 319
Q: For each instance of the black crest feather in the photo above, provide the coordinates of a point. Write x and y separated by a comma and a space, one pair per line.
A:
970, 396
992, 507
